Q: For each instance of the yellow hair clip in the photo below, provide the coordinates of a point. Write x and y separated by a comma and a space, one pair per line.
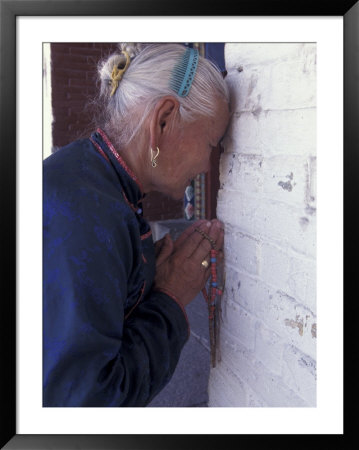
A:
117, 73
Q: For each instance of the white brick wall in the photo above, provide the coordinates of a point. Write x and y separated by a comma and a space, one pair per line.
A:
267, 200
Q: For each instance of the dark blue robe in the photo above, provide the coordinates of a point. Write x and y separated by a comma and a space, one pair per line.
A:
109, 339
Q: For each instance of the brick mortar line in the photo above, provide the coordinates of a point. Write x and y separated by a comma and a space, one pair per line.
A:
237, 114
231, 230
273, 288
252, 196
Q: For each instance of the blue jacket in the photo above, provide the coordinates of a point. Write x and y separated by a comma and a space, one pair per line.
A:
109, 339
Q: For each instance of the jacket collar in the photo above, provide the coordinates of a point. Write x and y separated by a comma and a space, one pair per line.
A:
132, 188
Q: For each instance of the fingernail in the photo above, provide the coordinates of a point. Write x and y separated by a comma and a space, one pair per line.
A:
208, 224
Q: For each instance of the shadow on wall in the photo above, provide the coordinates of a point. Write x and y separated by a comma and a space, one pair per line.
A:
189, 384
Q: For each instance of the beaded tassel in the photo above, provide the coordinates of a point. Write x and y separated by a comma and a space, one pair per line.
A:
211, 302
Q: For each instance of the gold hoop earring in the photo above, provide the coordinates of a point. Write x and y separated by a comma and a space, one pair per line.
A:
154, 157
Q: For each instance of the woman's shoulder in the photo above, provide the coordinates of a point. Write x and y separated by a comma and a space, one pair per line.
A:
79, 176
76, 165
69, 158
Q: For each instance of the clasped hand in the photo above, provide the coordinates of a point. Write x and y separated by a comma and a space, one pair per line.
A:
179, 269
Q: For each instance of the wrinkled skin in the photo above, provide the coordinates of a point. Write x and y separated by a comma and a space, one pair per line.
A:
178, 266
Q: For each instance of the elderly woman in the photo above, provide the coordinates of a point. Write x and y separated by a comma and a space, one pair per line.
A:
114, 303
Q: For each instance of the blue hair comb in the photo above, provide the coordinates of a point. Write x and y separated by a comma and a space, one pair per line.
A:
184, 72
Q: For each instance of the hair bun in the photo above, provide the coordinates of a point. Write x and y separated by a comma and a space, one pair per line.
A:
132, 48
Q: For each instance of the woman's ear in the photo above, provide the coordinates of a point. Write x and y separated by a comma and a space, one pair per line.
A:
163, 117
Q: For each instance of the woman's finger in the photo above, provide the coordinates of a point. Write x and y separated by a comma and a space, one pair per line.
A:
183, 237
215, 235
165, 249
192, 241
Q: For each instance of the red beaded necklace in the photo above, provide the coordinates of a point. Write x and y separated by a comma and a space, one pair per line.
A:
212, 299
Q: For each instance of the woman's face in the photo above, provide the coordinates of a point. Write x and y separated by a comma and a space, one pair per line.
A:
188, 153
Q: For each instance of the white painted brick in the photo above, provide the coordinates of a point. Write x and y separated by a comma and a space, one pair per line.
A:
288, 226
232, 209
291, 274
300, 374
246, 290
294, 86
241, 172
301, 282
274, 268
232, 284
269, 348
285, 178
267, 200
291, 320
242, 288
241, 323
274, 392
311, 292
249, 86
237, 357
282, 224
253, 398
312, 184
244, 134
240, 55
241, 251
281, 86
226, 388
270, 389
273, 133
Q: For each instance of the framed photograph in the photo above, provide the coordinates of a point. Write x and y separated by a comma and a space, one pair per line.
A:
25, 29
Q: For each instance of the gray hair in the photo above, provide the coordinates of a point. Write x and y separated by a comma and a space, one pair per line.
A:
146, 80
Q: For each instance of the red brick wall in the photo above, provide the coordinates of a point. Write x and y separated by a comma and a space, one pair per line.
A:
73, 75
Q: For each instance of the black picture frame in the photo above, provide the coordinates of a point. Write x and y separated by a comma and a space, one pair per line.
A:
9, 10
